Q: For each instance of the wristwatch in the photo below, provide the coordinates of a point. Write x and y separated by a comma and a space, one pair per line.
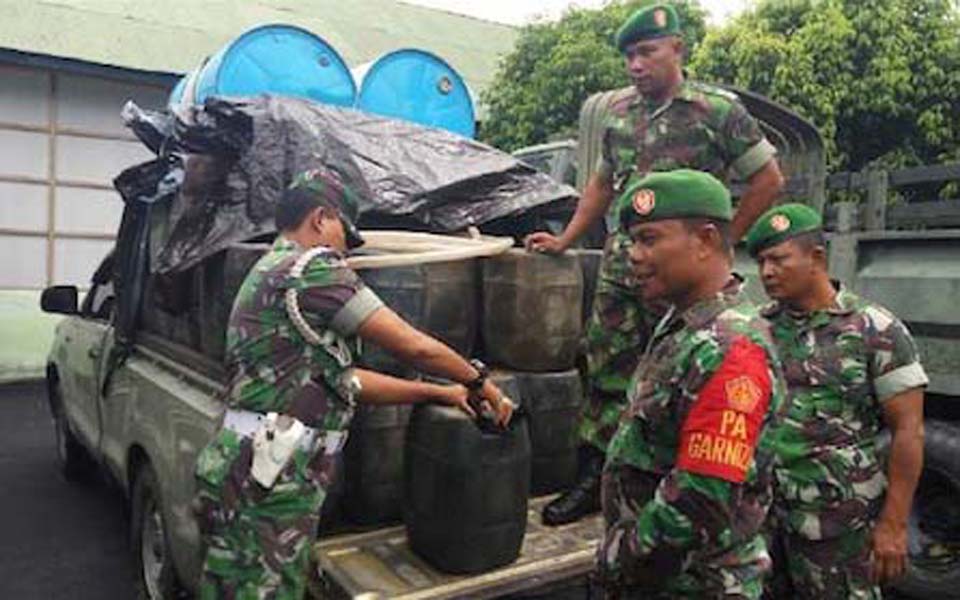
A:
475, 384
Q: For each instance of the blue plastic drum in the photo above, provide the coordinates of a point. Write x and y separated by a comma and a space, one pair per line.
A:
177, 94
418, 86
277, 59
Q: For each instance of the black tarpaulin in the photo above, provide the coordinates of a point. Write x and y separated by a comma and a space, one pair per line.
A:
241, 153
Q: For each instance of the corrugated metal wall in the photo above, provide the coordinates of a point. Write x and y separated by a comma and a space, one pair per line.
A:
61, 144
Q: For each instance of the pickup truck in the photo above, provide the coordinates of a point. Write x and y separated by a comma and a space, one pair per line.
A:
143, 419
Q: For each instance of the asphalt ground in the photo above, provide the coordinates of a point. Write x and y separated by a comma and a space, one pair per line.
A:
58, 540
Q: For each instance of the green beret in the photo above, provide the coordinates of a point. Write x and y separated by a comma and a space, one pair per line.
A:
656, 21
781, 223
680, 194
327, 188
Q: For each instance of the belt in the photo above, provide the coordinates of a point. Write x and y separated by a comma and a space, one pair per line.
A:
245, 423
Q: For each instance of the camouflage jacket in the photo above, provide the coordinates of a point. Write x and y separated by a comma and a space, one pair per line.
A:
840, 365
688, 479
702, 127
273, 366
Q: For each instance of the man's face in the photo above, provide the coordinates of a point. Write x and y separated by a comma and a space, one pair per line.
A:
788, 270
653, 64
666, 258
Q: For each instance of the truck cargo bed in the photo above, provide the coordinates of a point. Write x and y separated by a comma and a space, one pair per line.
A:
380, 564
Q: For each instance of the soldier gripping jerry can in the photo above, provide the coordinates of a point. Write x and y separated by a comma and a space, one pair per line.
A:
291, 341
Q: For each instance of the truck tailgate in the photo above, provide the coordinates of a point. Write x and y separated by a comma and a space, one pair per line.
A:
380, 564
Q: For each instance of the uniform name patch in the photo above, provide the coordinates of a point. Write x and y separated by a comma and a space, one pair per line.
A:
720, 432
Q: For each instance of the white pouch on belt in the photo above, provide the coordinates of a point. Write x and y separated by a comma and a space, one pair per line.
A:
274, 443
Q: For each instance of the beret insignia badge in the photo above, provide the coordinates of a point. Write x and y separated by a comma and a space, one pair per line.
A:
780, 223
644, 201
660, 18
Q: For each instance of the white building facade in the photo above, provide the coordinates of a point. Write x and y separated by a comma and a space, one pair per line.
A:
61, 144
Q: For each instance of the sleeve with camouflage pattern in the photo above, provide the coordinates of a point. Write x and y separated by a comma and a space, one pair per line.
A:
332, 296
894, 359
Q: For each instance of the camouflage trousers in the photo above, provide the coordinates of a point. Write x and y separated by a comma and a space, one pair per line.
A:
616, 335
831, 569
258, 540
624, 572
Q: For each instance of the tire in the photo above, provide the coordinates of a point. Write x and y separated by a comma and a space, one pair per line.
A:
156, 577
935, 518
74, 461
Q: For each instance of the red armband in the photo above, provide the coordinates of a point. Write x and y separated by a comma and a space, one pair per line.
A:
720, 432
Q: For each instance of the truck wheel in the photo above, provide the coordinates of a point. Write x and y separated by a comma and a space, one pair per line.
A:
74, 461
153, 558
934, 545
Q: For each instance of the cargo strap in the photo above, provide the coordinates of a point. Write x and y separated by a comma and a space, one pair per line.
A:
245, 423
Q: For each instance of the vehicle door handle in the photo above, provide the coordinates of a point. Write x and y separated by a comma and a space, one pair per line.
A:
93, 353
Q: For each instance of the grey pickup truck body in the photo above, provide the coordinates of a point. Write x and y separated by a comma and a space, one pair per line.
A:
143, 420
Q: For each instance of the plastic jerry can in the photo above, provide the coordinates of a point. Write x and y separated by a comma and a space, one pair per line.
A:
466, 489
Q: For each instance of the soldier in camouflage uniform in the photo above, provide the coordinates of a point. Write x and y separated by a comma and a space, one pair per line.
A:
849, 364
663, 122
292, 338
689, 471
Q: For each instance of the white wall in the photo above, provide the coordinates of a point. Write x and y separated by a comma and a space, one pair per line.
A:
61, 144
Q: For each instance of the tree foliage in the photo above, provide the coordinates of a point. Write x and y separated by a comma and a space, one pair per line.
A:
538, 89
880, 78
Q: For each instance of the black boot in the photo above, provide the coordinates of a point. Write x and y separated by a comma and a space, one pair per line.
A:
584, 497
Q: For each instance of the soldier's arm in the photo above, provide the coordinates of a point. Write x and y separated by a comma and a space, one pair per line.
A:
763, 188
378, 388
332, 296
753, 158
903, 414
898, 380
389, 331
593, 205
698, 502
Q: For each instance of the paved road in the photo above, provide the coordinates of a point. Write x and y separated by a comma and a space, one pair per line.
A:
59, 540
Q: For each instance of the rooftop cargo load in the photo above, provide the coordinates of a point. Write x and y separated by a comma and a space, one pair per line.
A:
417, 86
237, 155
271, 59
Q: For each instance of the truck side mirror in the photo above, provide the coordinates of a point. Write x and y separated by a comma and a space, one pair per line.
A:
59, 299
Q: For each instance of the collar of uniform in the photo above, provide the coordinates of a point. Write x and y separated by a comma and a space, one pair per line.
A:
707, 309
844, 303
283, 243
685, 92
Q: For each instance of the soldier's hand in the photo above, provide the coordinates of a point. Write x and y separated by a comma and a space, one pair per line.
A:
889, 551
542, 241
501, 406
459, 397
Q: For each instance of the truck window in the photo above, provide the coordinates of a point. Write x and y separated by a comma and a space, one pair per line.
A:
99, 301
541, 161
